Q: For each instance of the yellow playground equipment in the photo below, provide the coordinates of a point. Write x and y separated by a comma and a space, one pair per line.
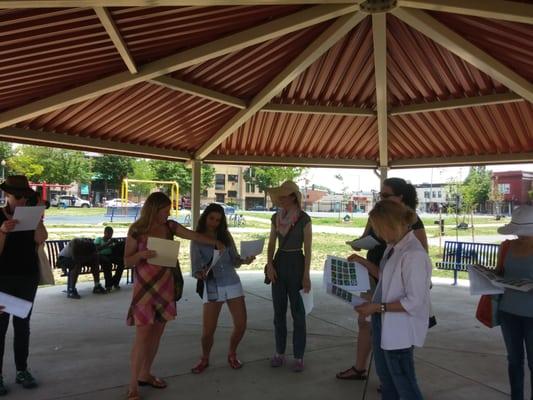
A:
174, 191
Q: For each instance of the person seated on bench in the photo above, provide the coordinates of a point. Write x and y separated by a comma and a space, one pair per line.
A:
110, 252
77, 253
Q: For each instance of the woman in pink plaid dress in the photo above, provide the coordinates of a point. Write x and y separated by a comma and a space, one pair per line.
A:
153, 302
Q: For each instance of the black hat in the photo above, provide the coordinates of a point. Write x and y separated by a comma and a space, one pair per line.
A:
17, 185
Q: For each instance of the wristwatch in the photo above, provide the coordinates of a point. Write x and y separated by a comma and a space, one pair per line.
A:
383, 308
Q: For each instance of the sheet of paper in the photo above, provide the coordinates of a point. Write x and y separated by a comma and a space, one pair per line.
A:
214, 260
167, 251
366, 242
28, 218
252, 248
307, 299
344, 295
14, 305
351, 276
480, 283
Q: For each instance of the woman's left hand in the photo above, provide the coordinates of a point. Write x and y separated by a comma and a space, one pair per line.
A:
368, 309
248, 260
306, 283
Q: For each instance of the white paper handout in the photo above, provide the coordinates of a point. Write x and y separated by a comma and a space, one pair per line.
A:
307, 299
350, 276
496, 281
480, 283
252, 248
167, 251
14, 305
345, 295
214, 260
28, 218
366, 242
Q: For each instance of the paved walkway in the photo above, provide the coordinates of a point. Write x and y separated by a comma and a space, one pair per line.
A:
80, 350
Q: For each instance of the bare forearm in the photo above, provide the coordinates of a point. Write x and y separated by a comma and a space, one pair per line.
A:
41, 234
394, 307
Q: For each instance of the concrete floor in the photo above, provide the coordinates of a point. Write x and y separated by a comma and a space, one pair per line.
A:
80, 350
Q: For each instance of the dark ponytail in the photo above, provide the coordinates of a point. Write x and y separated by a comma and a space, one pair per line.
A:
401, 188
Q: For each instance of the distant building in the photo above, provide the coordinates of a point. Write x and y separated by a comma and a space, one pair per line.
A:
431, 196
514, 187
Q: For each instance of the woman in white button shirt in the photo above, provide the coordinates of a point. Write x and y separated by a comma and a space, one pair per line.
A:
400, 306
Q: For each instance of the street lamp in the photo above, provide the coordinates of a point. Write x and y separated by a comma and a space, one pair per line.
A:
3, 163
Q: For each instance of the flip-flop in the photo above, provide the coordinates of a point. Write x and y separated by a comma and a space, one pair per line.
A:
156, 383
355, 376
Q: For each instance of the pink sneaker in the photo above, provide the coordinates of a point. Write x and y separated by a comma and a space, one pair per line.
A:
298, 365
277, 361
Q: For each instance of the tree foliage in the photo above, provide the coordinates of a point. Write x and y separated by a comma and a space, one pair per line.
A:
113, 169
476, 188
176, 171
267, 177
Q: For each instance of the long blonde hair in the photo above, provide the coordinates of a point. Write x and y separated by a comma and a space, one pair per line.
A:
153, 204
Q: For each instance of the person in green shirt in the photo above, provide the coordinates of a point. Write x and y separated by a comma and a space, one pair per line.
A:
108, 253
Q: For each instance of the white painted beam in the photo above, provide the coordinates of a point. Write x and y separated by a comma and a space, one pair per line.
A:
324, 110
455, 43
196, 192
490, 159
379, 35
496, 9
187, 58
109, 25
322, 44
498, 98
196, 90
291, 161
40, 138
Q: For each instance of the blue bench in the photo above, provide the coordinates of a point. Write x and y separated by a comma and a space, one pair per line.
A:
457, 255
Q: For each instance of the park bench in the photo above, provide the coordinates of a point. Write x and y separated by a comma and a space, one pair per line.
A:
54, 247
458, 255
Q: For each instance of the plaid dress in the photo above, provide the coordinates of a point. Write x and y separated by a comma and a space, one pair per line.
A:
153, 293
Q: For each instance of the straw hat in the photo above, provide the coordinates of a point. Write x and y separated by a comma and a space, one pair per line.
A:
287, 188
17, 185
521, 222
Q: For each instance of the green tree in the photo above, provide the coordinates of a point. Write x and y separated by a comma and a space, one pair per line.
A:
6, 151
62, 166
23, 164
142, 170
476, 188
267, 177
112, 169
176, 171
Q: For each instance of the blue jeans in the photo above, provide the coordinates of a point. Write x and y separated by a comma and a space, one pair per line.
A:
395, 368
517, 331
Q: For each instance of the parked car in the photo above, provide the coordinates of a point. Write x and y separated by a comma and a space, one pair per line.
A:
120, 203
228, 210
258, 208
69, 201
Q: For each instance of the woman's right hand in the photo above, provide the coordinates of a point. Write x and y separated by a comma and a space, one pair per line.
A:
200, 275
8, 225
271, 273
355, 258
146, 254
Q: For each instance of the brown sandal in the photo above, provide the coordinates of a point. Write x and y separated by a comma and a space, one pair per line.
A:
352, 374
201, 366
233, 361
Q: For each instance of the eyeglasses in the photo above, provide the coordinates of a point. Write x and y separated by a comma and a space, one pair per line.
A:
386, 195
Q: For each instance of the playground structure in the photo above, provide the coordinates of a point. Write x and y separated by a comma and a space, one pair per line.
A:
174, 192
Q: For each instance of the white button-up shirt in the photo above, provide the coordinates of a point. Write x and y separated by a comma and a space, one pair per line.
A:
405, 277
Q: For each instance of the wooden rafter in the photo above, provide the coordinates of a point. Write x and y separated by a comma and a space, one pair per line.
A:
463, 160
158, 3
322, 44
292, 161
249, 37
455, 43
498, 98
324, 110
109, 25
40, 138
497, 9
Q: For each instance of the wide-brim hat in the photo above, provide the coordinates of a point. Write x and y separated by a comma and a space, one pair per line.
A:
521, 222
17, 185
287, 188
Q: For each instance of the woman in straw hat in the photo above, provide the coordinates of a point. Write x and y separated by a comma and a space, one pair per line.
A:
288, 270
19, 273
516, 307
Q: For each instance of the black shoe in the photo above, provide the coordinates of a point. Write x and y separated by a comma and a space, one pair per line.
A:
73, 294
117, 287
26, 379
98, 289
3, 389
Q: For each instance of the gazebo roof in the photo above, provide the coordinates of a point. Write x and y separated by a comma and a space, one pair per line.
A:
279, 82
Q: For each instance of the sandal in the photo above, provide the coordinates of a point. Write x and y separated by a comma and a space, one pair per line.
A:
233, 361
352, 374
201, 366
154, 382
